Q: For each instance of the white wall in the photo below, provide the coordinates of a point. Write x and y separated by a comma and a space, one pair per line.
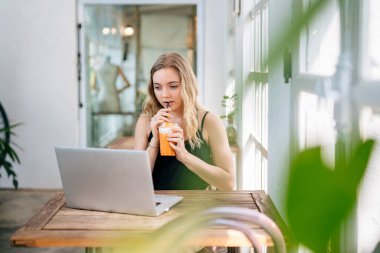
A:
38, 79
279, 96
215, 53
38, 84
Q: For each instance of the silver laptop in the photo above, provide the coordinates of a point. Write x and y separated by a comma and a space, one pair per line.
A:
110, 180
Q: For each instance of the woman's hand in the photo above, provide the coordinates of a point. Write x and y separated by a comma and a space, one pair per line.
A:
177, 142
161, 116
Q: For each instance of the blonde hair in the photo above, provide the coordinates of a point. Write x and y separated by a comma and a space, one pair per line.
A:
189, 93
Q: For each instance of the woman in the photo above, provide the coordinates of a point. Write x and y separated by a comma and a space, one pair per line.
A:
202, 154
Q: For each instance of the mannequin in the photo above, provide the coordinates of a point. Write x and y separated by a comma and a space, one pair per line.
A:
107, 99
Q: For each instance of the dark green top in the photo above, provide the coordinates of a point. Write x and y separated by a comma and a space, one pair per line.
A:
171, 174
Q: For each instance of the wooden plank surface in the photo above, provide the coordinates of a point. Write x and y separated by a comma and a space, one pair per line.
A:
266, 206
46, 213
59, 226
85, 238
73, 219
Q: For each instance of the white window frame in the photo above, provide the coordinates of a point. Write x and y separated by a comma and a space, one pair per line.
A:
353, 91
252, 90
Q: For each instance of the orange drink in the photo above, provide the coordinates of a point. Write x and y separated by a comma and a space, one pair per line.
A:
164, 129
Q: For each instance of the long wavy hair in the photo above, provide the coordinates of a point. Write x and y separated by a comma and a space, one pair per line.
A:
189, 93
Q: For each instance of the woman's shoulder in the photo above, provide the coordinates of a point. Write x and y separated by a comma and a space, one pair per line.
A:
144, 117
208, 120
209, 123
207, 115
143, 122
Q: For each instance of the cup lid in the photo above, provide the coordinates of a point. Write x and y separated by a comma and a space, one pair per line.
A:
168, 124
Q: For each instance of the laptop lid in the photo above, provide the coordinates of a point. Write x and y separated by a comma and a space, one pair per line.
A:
111, 180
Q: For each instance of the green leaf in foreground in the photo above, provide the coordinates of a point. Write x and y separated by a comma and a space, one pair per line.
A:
319, 198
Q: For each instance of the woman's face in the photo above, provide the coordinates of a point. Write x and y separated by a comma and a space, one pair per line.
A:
167, 88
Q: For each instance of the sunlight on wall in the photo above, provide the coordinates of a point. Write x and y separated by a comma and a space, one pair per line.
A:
369, 203
316, 124
374, 39
321, 43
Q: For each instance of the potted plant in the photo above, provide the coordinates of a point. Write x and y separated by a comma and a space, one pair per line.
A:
229, 103
7, 154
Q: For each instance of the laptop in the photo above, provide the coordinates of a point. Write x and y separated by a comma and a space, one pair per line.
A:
110, 180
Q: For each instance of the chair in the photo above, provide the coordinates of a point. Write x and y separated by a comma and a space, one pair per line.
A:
172, 235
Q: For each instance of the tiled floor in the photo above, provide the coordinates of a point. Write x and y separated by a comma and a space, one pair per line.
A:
16, 207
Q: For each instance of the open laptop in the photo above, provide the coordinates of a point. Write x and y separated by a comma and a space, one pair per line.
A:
110, 180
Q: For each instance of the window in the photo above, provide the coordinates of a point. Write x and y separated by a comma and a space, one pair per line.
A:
320, 42
259, 82
337, 98
254, 93
373, 33
312, 88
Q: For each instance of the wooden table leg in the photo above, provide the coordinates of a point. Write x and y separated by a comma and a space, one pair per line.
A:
93, 250
98, 250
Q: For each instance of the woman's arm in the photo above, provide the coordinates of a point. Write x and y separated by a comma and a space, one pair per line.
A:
141, 139
222, 173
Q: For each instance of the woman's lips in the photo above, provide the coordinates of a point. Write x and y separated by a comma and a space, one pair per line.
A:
168, 104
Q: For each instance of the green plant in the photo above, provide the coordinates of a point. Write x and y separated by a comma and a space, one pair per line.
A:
319, 198
7, 154
229, 102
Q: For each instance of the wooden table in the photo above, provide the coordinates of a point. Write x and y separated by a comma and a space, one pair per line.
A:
56, 225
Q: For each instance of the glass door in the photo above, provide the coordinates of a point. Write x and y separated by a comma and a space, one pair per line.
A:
118, 45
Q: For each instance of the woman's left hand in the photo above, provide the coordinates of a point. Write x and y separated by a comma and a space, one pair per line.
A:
177, 142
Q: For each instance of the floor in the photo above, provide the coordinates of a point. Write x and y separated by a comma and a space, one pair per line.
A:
16, 207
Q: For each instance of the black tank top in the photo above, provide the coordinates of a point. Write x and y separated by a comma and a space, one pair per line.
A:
171, 174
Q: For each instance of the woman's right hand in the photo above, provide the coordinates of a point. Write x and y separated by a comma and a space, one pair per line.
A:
161, 116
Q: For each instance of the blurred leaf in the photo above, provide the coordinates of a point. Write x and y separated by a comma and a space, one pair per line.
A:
8, 168
6, 149
15, 183
229, 102
14, 155
319, 198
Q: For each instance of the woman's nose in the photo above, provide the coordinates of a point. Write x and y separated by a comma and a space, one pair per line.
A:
165, 92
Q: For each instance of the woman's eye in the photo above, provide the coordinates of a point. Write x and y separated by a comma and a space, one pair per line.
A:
156, 87
173, 86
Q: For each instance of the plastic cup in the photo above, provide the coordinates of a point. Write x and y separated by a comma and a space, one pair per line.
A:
164, 129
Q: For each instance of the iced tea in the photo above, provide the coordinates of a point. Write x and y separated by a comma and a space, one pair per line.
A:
164, 129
